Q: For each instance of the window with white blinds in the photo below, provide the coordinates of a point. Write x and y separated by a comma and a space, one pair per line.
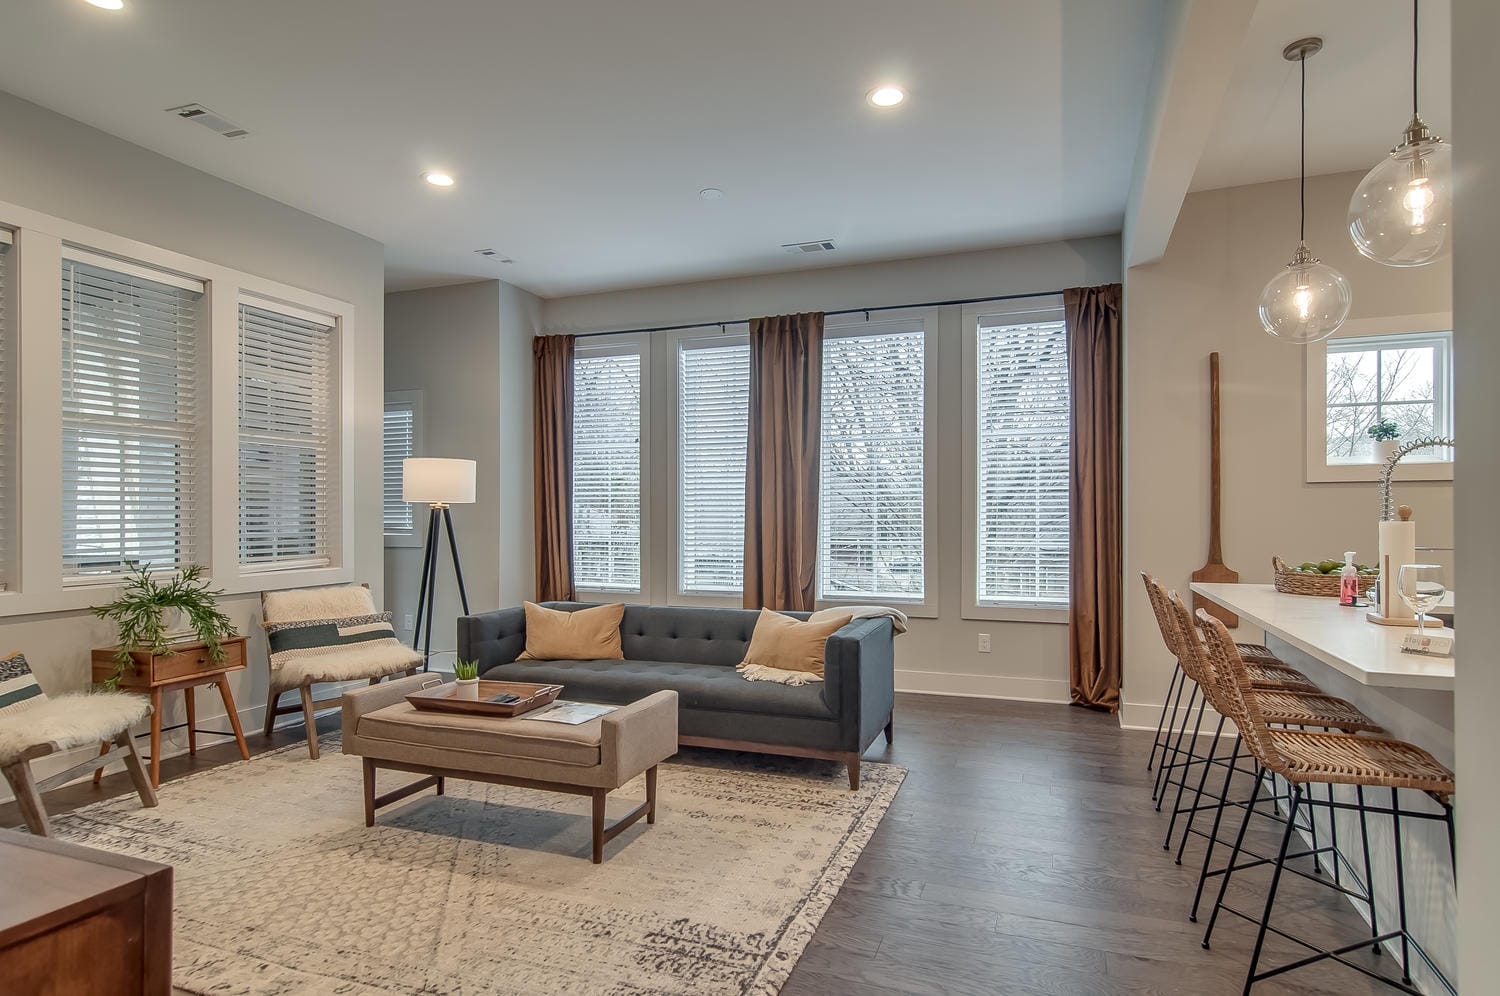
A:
607, 472
713, 399
7, 423
1022, 411
130, 418
871, 496
400, 443
288, 488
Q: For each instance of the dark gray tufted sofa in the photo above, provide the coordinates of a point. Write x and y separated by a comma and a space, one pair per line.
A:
693, 651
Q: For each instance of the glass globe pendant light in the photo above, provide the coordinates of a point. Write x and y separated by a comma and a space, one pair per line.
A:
1308, 300
1400, 212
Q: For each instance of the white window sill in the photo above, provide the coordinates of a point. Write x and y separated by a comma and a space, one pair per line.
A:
1409, 469
1017, 613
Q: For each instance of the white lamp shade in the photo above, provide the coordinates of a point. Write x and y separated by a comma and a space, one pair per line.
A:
438, 480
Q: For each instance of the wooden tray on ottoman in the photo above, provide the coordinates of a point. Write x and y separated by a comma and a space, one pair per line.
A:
441, 698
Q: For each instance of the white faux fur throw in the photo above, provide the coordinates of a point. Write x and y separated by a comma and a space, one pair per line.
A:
374, 659
335, 602
760, 672
72, 720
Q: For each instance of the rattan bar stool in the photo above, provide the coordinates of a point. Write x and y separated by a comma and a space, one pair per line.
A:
1267, 675
1281, 707
1304, 758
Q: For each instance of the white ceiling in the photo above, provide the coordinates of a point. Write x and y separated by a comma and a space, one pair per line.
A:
1358, 89
581, 130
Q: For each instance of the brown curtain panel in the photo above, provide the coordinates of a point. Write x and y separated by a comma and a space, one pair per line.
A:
552, 465
1095, 529
781, 461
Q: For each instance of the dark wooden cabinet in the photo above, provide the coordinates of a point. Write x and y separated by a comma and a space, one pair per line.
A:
77, 920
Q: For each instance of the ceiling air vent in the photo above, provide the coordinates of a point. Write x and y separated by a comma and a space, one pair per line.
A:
824, 245
198, 114
494, 255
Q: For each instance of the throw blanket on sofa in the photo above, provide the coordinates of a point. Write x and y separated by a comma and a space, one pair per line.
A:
760, 672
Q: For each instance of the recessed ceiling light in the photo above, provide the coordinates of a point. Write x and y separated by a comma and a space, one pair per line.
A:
438, 178
886, 96
108, 4
711, 194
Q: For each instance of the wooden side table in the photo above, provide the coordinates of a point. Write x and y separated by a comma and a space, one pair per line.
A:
78, 920
186, 667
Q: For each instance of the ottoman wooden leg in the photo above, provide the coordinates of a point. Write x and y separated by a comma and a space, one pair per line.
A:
369, 792
600, 795
854, 772
651, 794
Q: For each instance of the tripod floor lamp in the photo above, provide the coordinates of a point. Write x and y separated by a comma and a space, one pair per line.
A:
440, 482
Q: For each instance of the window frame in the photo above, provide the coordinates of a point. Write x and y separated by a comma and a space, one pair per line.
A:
626, 345
673, 343
930, 319
1039, 308
1315, 391
413, 400
35, 583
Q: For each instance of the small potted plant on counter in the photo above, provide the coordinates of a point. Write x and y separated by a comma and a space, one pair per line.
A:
148, 610
1387, 436
466, 674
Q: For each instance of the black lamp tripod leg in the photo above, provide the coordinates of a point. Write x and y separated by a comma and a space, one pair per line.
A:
428, 576
463, 595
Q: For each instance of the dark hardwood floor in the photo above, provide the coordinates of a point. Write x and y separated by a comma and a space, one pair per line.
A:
1022, 855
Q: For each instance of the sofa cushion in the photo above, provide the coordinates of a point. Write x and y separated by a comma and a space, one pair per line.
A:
521, 738
698, 686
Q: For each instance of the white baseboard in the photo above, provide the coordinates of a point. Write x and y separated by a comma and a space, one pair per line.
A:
983, 686
1145, 716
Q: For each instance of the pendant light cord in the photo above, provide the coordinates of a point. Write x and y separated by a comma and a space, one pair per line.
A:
1414, 29
1302, 164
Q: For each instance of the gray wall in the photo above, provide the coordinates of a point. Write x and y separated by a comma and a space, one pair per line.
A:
56, 165
467, 349
1029, 660
1476, 306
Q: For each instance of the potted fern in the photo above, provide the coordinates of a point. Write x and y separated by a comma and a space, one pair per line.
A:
466, 675
1387, 436
147, 611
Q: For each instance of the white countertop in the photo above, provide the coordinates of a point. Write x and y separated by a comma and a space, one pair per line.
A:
1339, 637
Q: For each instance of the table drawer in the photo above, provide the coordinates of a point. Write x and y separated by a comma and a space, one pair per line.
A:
170, 667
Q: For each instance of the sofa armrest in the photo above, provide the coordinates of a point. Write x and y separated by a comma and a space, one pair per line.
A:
652, 737
859, 679
361, 701
492, 638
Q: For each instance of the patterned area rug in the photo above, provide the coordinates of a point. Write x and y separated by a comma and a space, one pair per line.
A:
489, 889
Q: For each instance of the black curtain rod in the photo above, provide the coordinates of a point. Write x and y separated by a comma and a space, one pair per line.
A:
845, 311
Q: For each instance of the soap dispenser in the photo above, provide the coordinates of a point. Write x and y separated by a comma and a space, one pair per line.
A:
1349, 581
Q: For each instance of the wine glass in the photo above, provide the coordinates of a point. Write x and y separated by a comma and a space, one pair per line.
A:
1421, 587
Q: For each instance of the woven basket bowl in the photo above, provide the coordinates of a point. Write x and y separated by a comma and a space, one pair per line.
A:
1325, 585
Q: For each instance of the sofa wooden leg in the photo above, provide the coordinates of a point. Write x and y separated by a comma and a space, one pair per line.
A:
651, 794
310, 719
890, 730
599, 795
854, 772
18, 774
271, 701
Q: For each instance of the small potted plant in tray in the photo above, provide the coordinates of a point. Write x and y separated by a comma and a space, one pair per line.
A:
148, 610
1387, 436
466, 675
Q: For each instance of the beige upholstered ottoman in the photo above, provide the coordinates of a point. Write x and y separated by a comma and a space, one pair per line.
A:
591, 759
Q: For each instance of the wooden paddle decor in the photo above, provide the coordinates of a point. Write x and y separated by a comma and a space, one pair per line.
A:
1214, 570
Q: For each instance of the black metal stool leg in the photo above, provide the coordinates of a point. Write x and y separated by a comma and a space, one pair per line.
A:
1265, 917
1213, 833
1234, 856
1401, 891
1161, 723
1187, 772
1166, 742
1208, 763
1163, 774
1364, 844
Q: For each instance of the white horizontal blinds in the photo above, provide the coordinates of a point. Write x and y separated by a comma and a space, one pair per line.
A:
287, 450
400, 443
130, 422
607, 472
7, 424
713, 412
870, 519
1023, 407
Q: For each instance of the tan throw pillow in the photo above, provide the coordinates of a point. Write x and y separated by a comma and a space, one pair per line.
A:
786, 644
582, 635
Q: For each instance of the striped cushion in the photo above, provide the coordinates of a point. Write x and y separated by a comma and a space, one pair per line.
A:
18, 687
310, 638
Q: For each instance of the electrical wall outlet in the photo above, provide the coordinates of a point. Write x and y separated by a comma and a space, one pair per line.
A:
408, 621
984, 643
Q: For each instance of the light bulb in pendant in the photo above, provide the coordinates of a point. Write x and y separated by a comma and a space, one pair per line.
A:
1303, 300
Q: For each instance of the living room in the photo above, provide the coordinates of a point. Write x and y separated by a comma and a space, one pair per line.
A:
942, 324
